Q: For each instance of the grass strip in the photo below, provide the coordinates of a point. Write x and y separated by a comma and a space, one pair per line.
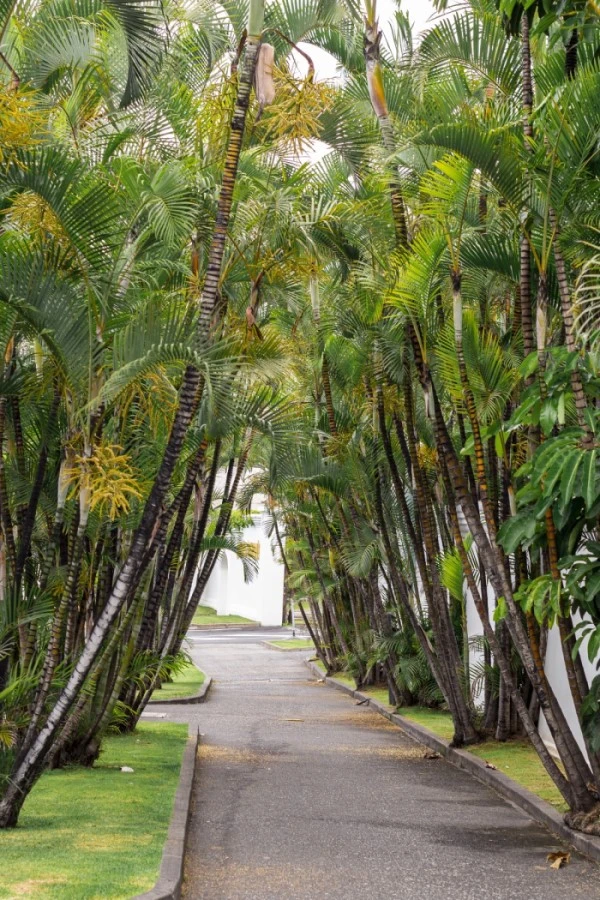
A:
437, 720
97, 833
184, 684
293, 644
518, 760
206, 615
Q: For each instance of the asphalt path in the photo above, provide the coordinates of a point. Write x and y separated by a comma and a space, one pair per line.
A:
302, 794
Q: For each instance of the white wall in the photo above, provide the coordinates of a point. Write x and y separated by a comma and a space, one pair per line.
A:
554, 667
557, 676
216, 590
260, 599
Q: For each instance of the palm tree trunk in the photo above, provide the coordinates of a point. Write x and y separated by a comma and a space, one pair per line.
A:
5, 515
577, 769
500, 655
165, 561
378, 102
401, 592
566, 309
447, 650
525, 250
220, 529
36, 490
26, 773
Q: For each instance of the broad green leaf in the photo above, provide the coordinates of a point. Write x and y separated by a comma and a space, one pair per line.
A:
516, 530
548, 416
501, 610
588, 479
529, 365
594, 645
553, 472
568, 480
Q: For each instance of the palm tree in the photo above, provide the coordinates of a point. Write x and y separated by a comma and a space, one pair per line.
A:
31, 757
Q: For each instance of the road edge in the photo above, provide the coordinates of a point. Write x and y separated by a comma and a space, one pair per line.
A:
170, 879
534, 806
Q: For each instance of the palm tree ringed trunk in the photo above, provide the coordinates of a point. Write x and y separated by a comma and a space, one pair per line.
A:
30, 768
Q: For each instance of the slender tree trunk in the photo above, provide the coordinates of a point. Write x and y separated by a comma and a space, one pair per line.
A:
578, 771
566, 309
25, 774
372, 46
497, 649
36, 490
525, 251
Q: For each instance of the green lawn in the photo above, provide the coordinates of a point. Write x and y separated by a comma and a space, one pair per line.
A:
377, 693
184, 684
519, 761
293, 644
97, 833
206, 615
437, 720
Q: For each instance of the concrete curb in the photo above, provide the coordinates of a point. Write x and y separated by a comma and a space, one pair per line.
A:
170, 879
531, 804
199, 697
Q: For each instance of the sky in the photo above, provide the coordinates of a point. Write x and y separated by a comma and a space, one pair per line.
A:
419, 12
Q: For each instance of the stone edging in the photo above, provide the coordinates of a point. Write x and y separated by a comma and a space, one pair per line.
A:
530, 803
170, 879
198, 697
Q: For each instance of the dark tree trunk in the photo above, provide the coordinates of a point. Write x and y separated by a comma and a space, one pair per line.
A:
30, 766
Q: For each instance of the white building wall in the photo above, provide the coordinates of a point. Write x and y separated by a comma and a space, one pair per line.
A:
557, 676
215, 592
260, 599
474, 629
554, 667
554, 662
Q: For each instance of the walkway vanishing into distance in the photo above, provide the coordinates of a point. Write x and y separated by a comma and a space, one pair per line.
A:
301, 793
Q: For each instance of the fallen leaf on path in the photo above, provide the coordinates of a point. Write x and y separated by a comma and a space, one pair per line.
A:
362, 702
293, 720
491, 766
559, 859
431, 754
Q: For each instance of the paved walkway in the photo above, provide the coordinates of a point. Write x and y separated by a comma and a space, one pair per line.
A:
303, 794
